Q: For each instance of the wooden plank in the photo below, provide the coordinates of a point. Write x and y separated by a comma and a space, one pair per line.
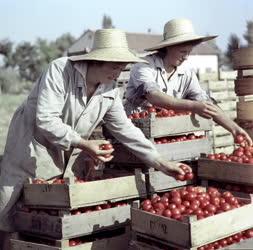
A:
231, 172
221, 85
154, 127
226, 150
171, 231
71, 226
220, 131
160, 182
228, 75
113, 243
178, 151
194, 233
85, 194
223, 141
224, 96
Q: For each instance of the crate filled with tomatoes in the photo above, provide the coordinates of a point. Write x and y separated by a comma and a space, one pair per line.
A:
65, 224
157, 122
236, 167
173, 148
71, 193
191, 217
109, 240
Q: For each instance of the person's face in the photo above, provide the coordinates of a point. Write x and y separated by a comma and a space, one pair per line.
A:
176, 55
110, 71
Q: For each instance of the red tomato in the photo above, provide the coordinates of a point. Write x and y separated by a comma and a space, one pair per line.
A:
189, 176
225, 206
146, 202
72, 243
211, 156
136, 115
239, 139
176, 200
159, 205
151, 110
167, 213
147, 207
249, 233
155, 199
143, 114
106, 146
211, 208
190, 196
180, 177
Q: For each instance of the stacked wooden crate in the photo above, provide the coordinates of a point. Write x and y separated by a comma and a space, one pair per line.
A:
223, 92
243, 63
158, 130
72, 214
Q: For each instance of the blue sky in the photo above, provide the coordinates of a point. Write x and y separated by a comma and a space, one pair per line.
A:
26, 20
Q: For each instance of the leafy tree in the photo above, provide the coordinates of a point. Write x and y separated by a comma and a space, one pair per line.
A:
107, 22
233, 44
249, 33
28, 61
6, 50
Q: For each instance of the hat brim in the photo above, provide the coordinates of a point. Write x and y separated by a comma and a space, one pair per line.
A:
108, 55
179, 40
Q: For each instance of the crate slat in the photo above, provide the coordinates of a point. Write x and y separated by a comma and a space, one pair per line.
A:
71, 226
178, 151
225, 171
154, 127
194, 233
85, 194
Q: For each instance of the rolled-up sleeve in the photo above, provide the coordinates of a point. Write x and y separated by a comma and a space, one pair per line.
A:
194, 91
132, 137
52, 91
142, 80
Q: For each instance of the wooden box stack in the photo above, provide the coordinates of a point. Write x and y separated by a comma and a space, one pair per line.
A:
78, 215
243, 63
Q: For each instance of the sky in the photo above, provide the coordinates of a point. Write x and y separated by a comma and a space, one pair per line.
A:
27, 20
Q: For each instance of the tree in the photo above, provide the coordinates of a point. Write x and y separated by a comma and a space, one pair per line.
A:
249, 33
233, 44
6, 50
107, 22
27, 59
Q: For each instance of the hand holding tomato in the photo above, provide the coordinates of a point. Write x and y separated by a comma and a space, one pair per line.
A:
100, 150
188, 175
172, 168
241, 137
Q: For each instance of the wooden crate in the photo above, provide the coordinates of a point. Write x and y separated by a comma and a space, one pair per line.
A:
110, 243
144, 242
154, 127
192, 233
85, 194
177, 151
225, 171
71, 226
159, 182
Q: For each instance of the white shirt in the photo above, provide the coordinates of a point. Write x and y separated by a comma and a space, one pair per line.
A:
144, 78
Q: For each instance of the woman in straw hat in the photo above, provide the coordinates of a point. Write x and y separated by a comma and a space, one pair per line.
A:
49, 133
166, 83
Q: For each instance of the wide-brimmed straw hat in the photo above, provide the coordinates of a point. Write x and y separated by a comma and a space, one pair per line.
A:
109, 45
178, 31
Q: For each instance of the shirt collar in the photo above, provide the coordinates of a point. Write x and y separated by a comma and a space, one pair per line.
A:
159, 64
81, 67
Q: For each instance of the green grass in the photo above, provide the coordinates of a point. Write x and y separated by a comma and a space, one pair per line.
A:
8, 105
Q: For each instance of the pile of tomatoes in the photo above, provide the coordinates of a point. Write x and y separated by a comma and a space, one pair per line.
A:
236, 238
190, 200
160, 112
242, 154
180, 138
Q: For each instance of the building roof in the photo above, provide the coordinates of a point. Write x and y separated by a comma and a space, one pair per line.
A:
138, 42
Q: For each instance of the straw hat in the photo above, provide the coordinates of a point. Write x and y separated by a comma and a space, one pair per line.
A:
178, 31
109, 45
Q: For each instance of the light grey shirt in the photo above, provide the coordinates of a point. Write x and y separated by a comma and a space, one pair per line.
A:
145, 78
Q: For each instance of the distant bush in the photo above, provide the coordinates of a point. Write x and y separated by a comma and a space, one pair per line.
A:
11, 83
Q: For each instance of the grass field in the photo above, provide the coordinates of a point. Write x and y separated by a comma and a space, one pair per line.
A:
8, 105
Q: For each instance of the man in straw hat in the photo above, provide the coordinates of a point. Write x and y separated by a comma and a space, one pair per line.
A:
166, 83
49, 133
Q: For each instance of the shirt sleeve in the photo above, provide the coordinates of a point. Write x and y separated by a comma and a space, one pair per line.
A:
51, 100
194, 91
132, 137
142, 78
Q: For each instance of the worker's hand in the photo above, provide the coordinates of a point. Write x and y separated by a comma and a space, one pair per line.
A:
205, 109
171, 168
95, 150
240, 131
